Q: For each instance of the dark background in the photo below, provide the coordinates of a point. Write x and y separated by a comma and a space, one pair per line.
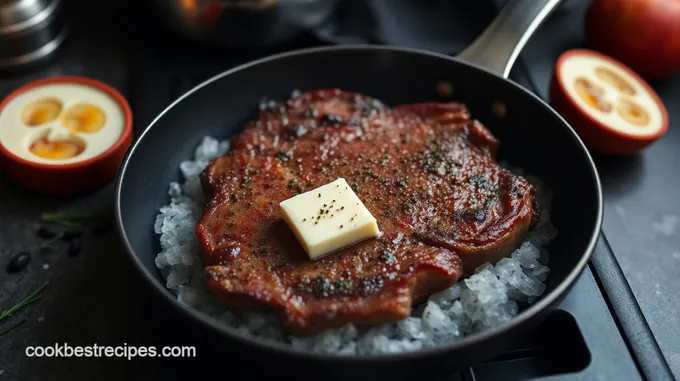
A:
97, 296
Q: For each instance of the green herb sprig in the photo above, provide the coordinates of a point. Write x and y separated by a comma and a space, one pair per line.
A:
12, 327
26, 301
68, 219
49, 242
35, 296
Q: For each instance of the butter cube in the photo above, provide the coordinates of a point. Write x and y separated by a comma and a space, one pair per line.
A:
328, 218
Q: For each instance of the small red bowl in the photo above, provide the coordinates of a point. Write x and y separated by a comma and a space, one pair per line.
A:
78, 177
598, 136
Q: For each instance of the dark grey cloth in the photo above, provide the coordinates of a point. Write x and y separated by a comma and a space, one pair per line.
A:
444, 26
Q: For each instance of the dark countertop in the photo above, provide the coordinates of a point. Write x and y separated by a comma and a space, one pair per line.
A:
93, 298
642, 214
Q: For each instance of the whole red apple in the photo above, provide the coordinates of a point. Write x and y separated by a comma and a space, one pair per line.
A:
643, 34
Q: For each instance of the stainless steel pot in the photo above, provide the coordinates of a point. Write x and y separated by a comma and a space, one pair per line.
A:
31, 31
244, 23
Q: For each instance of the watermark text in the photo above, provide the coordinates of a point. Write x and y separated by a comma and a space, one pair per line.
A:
122, 351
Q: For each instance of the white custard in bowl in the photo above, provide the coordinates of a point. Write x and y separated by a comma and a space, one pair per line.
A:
107, 116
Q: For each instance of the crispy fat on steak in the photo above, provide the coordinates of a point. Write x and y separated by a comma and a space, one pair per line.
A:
427, 172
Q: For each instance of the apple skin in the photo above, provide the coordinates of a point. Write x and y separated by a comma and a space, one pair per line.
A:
643, 34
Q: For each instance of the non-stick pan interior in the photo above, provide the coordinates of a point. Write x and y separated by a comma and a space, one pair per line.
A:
531, 135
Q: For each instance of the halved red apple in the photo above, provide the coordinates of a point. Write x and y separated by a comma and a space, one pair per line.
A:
613, 109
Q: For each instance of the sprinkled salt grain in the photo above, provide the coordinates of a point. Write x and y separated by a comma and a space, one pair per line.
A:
486, 299
511, 272
459, 315
256, 321
189, 296
175, 190
377, 341
398, 238
189, 169
541, 273
411, 328
527, 255
446, 298
40, 319
226, 317
349, 348
327, 342
485, 266
437, 322
486, 287
45, 266
177, 277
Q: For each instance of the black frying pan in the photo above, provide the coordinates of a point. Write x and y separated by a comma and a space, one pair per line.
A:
532, 136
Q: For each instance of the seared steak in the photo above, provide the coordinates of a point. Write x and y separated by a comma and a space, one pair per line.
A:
427, 172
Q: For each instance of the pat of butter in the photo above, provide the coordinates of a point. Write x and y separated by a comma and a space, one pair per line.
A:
328, 218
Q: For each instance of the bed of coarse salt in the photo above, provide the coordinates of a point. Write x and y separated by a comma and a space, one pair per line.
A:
486, 299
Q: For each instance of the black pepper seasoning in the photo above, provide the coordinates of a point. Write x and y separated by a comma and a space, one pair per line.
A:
311, 112
331, 119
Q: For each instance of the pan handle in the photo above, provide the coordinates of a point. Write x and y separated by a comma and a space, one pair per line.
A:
497, 48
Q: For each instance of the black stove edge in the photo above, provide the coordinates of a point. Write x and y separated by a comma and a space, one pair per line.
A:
620, 298
627, 313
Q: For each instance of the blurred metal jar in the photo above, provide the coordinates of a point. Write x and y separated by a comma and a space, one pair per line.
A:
242, 23
31, 31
